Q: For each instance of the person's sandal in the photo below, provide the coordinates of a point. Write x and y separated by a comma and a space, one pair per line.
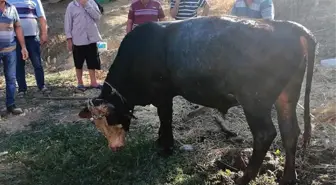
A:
99, 86
81, 87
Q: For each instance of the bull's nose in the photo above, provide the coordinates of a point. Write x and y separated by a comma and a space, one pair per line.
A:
114, 149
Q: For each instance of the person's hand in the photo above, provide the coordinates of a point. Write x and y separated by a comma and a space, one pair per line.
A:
24, 54
83, 2
43, 38
69, 45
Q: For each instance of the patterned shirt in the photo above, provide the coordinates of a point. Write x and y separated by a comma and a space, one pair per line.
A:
80, 23
258, 9
187, 8
29, 11
140, 13
7, 32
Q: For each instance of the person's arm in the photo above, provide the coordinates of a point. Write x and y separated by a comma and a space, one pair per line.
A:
233, 10
174, 7
101, 9
130, 20
161, 14
267, 9
68, 27
205, 5
19, 34
92, 9
43, 21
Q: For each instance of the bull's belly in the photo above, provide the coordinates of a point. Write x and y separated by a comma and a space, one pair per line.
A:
206, 96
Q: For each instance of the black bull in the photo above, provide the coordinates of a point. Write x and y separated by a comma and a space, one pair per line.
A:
209, 60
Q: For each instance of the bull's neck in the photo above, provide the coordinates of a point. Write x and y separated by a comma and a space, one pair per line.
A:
114, 88
118, 77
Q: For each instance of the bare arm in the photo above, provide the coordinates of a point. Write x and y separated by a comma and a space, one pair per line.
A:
42, 17
18, 30
205, 5
130, 20
44, 25
19, 34
161, 14
206, 9
129, 25
174, 8
233, 10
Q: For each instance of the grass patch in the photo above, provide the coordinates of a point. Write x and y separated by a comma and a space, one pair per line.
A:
78, 154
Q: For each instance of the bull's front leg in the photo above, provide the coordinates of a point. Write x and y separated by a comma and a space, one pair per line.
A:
166, 139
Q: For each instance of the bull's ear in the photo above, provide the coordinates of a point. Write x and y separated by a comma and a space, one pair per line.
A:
85, 113
130, 115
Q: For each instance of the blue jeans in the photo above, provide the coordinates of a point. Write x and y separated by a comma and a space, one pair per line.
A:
9, 63
34, 50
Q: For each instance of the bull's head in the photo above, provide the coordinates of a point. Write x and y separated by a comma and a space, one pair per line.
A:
111, 120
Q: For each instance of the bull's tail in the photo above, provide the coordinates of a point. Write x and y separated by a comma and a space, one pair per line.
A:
310, 58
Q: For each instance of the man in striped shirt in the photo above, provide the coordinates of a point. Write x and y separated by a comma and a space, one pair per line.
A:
29, 11
142, 11
185, 9
257, 9
10, 25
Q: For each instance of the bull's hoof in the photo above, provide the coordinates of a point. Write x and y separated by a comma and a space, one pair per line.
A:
166, 152
165, 148
242, 181
288, 182
158, 142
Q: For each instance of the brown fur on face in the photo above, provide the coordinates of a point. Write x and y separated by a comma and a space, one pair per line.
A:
115, 134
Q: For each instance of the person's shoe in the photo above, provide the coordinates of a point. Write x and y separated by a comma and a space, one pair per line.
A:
14, 110
21, 94
45, 90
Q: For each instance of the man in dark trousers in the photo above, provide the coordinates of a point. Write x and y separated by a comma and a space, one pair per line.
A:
31, 12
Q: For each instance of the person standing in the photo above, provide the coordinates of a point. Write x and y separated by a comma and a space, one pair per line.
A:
80, 26
30, 11
257, 9
142, 11
10, 25
185, 9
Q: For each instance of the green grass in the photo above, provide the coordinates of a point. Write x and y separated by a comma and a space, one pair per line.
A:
78, 154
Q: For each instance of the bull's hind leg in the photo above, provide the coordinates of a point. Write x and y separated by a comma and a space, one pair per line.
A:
263, 131
288, 124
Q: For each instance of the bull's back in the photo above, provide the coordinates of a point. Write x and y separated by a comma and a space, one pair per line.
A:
213, 57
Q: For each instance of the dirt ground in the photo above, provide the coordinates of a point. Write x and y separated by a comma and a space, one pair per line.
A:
209, 144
